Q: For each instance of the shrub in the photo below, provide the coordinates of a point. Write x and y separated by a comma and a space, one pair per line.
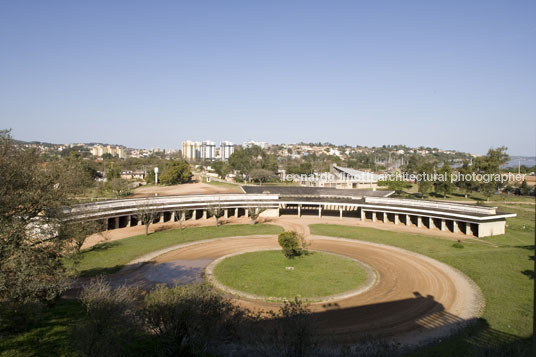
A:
111, 322
290, 243
457, 245
186, 318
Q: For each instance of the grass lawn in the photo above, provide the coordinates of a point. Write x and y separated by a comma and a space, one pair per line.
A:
230, 186
504, 270
314, 275
109, 257
49, 337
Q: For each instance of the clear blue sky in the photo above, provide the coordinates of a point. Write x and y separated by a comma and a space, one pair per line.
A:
451, 74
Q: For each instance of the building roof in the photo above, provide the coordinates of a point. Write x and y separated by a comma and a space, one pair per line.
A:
355, 175
315, 191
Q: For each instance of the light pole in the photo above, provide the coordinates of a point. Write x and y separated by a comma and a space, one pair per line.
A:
156, 175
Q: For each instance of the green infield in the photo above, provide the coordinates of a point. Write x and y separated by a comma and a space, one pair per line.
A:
109, 257
502, 266
269, 274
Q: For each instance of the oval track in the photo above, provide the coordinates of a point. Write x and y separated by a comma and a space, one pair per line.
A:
415, 297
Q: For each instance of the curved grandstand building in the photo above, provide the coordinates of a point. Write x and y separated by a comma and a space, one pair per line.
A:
363, 205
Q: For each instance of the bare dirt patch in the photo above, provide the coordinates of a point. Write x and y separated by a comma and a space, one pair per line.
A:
184, 189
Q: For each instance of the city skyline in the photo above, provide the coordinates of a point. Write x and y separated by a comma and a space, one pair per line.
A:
453, 75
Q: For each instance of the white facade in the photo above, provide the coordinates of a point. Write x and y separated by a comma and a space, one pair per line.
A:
262, 144
226, 150
208, 150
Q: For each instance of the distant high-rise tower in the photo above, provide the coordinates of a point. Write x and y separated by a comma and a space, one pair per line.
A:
226, 150
191, 150
208, 150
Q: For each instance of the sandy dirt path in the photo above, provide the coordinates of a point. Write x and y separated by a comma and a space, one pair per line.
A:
415, 298
195, 188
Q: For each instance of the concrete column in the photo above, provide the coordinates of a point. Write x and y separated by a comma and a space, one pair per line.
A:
225, 213
246, 212
129, 221
396, 219
408, 220
139, 221
443, 225
363, 215
299, 210
384, 217
467, 228
430, 223
320, 211
236, 212
173, 216
340, 212
455, 228
204, 214
183, 215
194, 215
419, 221
116, 222
162, 217
373, 216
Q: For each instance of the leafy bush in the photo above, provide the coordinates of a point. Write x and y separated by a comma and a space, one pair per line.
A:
457, 245
290, 243
186, 318
111, 322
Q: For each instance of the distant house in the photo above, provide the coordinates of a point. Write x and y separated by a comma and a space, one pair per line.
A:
129, 175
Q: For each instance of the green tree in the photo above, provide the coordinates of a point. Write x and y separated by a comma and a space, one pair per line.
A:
33, 241
119, 187
443, 183
113, 172
150, 176
488, 166
261, 175
426, 171
176, 173
524, 189
464, 183
241, 161
221, 168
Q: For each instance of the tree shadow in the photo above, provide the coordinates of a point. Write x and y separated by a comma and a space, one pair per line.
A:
427, 329
100, 247
88, 273
528, 273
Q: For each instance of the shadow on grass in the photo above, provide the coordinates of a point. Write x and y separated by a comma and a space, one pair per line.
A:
50, 336
100, 247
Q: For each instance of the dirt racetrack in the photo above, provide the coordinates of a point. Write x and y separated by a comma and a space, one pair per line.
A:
415, 298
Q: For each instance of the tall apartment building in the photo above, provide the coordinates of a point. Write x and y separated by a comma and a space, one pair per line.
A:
191, 150
100, 150
208, 150
226, 150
